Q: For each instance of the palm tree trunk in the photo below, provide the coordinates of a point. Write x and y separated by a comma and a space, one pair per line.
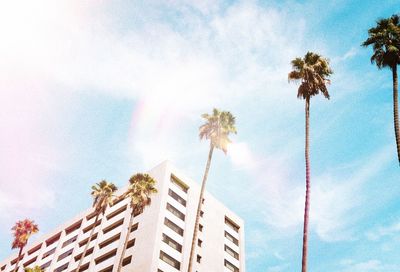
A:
307, 201
125, 242
395, 110
18, 259
196, 224
87, 244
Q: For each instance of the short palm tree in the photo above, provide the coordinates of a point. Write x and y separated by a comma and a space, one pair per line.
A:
22, 230
385, 41
34, 269
312, 72
103, 195
139, 191
217, 128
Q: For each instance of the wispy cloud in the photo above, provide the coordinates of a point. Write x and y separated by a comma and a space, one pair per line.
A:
383, 231
367, 266
278, 268
333, 202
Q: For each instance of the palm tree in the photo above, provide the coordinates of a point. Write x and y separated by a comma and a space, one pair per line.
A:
22, 230
34, 269
103, 195
217, 128
385, 41
141, 187
312, 72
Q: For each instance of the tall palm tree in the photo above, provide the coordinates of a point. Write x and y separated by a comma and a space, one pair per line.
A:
103, 195
217, 128
312, 72
22, 230
34, 269
139, 191
385, 41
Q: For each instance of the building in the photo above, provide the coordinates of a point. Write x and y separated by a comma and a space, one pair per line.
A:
160, 239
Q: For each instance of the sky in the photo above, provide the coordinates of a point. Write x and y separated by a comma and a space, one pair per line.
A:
95, 90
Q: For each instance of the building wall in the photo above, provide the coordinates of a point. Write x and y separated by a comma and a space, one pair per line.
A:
64, 245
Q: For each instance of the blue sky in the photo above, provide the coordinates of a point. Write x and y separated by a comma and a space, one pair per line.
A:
102, 90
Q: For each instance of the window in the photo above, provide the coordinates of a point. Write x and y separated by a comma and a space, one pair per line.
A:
231, 267
175, 211
30, 262
61, 268
109, 240
173, 226
73, 227
45, 265
105, 256
65, 254
231, 252
172, 243
169, 260
119, 199
15, 260
179, 183
131, 243
83, 267
231, 224
231, 238
33, 250
48, 253
113, 226
115, 213
198, 258
138, 212
199, 242
90, 216
134, 227
69, 241
177, 197
200, 227
107, 269
201, 213
84, 242
127, 261
88, 252
95, 224
53, 239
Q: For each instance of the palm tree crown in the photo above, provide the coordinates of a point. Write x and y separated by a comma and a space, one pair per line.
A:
102, 193
217, 128
385, 40
313, 72
141, 186
22, 230
34, 269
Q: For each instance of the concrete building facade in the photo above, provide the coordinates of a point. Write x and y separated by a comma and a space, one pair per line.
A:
159, 241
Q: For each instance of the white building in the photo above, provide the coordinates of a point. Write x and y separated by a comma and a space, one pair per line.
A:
159, 242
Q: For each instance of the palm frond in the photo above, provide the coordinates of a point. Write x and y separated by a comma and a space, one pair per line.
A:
217, 128
313, 72
385, 41
103, 195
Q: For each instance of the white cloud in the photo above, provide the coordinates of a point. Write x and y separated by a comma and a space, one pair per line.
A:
278, 268
335, 209
383, 231
367, 266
